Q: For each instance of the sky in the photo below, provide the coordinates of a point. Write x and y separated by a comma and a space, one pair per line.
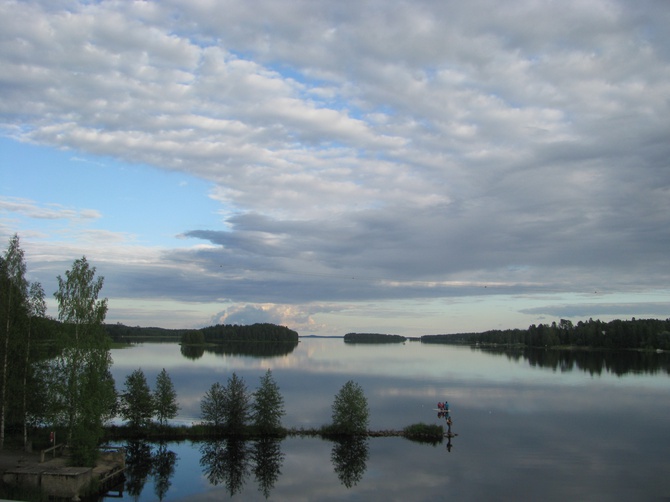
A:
382, 166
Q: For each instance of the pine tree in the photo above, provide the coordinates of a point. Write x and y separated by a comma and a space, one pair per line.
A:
165, 398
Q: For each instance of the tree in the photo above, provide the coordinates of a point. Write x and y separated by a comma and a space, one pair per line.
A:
14, 295
100, 406
193, 337
236, 410
37, 308
212, 405
350, 410
137, 403
267, 409
165, 398
83, 386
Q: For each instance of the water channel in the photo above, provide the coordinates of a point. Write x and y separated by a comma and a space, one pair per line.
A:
531, 426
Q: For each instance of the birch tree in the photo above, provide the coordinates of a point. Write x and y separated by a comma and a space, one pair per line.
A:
14, 292
350, 410
37, 308
267, 408
86, 388
165, 398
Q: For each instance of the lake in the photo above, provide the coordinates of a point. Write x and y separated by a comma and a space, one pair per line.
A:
539, 425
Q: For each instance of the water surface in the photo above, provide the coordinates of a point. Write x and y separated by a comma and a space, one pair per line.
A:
529, 427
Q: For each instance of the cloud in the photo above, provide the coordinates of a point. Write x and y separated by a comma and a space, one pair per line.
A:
584, 310
34, 209
363, 153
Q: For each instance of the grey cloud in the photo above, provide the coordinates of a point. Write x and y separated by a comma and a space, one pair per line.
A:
382, 150
584, 310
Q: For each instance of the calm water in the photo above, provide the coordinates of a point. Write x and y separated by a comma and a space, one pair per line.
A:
529, 428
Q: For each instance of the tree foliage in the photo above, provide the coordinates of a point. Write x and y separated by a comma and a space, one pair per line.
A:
212, 408
267, 408
165, 398
350, 410
259, 332
373, 338
137, 403
81, 390
236, 408
37, 309
85, 347
193, 337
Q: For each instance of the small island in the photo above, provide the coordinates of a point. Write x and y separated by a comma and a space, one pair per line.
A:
373, 338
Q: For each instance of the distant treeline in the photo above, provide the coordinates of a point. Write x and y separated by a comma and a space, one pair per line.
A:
634, 334
122, 333
373, 338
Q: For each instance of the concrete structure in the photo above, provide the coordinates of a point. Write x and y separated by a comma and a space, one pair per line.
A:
56, 478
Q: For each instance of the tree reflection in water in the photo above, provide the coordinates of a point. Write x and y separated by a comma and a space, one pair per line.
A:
349, 457
141, 462
138, 466
226, 462
230, 461
268, 459
192, 352
164, 462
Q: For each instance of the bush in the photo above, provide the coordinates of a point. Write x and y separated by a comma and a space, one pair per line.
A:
430, 433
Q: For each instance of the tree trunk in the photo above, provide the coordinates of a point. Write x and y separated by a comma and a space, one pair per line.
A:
25, 389
4, 383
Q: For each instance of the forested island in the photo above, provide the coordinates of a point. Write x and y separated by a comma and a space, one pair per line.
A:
220, 333
373, 338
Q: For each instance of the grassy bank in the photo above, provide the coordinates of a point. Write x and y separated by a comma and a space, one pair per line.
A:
415, 432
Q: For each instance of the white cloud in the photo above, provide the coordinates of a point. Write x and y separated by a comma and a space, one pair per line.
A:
37, 210
416, 143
